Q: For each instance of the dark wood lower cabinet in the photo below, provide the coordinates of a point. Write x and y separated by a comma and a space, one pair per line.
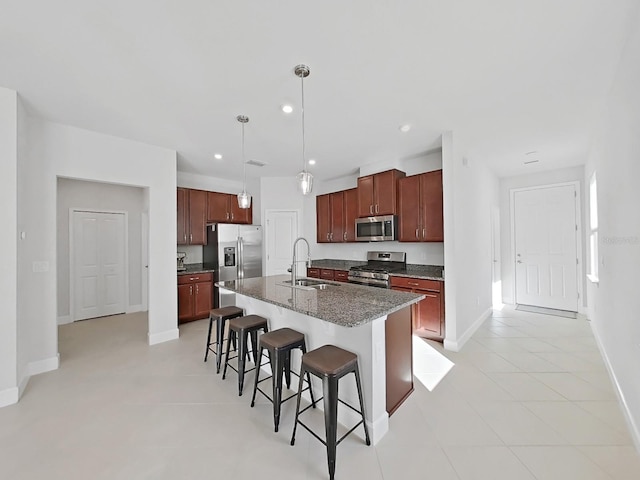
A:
195, 296
398, 358
428, 314
328, 274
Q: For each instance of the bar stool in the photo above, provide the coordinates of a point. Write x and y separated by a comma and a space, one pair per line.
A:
241, 328
279, 344
220, 315
330, 363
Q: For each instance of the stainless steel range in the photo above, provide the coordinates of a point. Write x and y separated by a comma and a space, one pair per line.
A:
379, 265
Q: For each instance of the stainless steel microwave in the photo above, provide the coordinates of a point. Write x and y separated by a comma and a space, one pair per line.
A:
376, 229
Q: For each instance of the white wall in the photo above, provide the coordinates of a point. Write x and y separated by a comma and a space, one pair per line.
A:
614, 304
103, 197
507, 184
470, 193
59, 150
418, 253
8, 245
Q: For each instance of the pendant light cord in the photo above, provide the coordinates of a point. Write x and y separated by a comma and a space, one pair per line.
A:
304, 164
244, 164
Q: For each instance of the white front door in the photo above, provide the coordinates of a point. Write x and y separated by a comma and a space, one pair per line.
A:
98, 270
280, 233
545, 247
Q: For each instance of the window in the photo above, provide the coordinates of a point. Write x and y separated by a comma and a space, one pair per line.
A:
593, 229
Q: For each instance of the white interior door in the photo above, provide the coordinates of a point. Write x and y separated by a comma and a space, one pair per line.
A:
545, 247
496, 271
280, 232
98, 271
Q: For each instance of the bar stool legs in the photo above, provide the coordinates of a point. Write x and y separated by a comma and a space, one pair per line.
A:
279, 344
241, 328
220, 316
330, 363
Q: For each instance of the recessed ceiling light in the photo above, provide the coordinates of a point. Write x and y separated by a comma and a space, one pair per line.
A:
218, 156
404, 128
287, 108
312, 162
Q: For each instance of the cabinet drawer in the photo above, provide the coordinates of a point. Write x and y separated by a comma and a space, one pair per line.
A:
417, 283
195, 278
341, 275
326, 273
313, 272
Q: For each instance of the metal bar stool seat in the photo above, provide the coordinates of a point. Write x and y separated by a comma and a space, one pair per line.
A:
330, 363
241, 328
220, 315
279, 344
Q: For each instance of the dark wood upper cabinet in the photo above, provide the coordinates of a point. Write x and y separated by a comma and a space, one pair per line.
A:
198, 217
432, 205
183, 215
192, 209
420, 208
350, 214
223, 208
323, 222
331, 217
377, 193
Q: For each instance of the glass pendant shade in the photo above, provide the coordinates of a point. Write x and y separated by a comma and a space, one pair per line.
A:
244, 200
305, 182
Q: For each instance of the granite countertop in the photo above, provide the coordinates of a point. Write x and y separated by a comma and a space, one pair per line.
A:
344, 304
192, 268
427, 272
336, 264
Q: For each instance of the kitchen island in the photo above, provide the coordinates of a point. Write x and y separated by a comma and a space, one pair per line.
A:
374, 323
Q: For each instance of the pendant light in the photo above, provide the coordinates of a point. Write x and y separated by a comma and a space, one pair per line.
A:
244, 199
305, 179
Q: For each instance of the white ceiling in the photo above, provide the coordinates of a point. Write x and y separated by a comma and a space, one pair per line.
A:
507, 76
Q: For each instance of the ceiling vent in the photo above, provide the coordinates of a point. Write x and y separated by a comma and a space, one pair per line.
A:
255, 163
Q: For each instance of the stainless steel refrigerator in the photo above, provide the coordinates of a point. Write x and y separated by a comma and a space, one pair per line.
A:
236, 253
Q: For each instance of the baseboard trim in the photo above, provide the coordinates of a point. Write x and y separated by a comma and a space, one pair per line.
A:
43, 366
155, 338
631, 423
134, 308
456, 345
64, 319
8, 396
36, 368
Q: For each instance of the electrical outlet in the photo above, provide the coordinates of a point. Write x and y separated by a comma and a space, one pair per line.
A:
40, 267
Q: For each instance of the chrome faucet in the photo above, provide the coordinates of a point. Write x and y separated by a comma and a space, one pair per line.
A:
295, 260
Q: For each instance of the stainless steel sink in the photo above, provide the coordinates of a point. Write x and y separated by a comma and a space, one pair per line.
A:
307, 283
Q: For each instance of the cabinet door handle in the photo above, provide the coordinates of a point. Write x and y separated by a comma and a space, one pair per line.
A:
185, 238
424, 235
197, 289
344, 236
191, 290
231, 215
413, 284
417, 235
227, 216
327, 236
377, 208
191, 237
371, 209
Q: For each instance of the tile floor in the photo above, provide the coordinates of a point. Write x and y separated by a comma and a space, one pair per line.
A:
527, 398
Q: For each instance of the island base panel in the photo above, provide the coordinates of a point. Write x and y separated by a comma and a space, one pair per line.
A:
399, 358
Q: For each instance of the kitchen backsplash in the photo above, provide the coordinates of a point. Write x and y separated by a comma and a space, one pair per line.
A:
194, 253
